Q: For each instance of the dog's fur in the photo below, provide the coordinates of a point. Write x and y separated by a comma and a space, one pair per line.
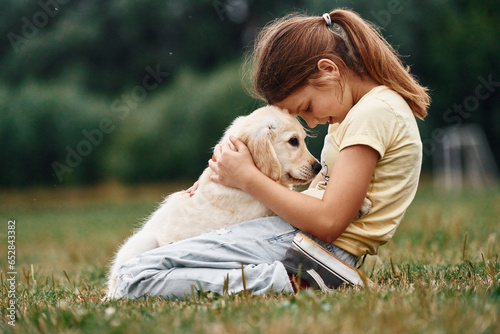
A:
276, 141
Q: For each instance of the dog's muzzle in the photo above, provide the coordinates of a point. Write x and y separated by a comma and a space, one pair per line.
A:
316, 167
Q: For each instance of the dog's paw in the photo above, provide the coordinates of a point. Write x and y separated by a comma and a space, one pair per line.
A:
365, 208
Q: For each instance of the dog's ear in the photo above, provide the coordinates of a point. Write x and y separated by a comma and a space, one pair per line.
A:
259, 143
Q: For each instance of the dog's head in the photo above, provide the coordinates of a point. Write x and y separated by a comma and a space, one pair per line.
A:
277, 143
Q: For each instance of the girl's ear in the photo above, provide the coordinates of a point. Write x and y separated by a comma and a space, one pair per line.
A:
264, 156
328, 66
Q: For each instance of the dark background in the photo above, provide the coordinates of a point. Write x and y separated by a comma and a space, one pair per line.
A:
139, 91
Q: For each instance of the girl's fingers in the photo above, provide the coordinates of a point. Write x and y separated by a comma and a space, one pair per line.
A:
238, 144
217, 152
213, 166
193, 188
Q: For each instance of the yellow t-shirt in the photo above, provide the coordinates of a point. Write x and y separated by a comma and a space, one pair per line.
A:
382, 120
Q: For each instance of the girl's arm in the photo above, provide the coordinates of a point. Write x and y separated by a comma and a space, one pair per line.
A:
326, 219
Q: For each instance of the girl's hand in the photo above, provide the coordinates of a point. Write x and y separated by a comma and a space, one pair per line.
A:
192, 189
232, 168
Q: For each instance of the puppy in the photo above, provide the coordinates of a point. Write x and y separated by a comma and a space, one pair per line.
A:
276, 141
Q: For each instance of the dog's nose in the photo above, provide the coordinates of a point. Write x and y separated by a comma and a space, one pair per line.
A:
316, 167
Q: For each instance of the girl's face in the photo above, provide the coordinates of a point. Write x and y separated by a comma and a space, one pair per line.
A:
318, 105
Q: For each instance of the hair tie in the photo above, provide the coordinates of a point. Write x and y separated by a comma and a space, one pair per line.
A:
327, 18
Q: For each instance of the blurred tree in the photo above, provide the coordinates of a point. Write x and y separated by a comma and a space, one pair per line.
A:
68, 65
462, 67
106, 45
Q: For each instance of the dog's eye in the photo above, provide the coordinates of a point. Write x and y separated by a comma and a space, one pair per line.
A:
294, 141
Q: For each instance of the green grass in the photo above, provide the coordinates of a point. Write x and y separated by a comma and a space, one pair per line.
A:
439, 274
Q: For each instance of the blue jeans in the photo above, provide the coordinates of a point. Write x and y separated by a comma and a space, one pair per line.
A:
208, 260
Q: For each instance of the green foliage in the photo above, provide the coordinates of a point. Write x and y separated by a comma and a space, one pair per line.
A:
460, 47
63, 69
171, 134
38, 123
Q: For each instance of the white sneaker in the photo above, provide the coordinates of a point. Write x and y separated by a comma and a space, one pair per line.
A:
318, 267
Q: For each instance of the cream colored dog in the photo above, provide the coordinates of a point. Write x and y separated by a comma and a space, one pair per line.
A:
276, 141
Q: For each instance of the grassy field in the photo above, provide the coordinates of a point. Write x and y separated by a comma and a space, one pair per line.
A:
440, 274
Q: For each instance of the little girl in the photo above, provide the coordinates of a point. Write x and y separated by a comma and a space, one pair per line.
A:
335, 69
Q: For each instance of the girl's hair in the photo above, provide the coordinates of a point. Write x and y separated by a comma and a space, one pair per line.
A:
287, 51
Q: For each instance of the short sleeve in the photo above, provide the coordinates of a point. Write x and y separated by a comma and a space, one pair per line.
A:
374, 125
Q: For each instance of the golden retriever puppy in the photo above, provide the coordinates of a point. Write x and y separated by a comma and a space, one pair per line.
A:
276, 141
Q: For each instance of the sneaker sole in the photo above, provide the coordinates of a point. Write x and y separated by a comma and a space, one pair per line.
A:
342, 270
